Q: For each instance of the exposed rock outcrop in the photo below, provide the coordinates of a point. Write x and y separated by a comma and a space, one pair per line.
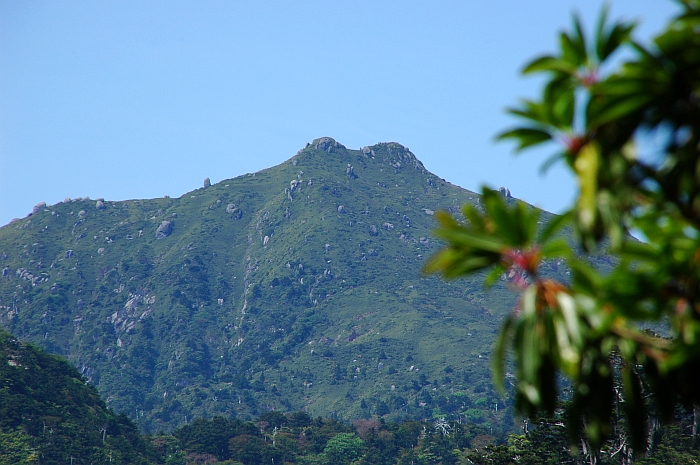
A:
164, 230
39, 207
327, 144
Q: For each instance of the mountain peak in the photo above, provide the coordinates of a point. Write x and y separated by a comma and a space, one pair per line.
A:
392, 153
327, 143
296, 287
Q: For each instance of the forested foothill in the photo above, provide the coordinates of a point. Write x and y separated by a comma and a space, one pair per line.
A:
50, 415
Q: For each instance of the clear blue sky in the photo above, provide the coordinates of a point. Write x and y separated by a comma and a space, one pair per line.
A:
134, 99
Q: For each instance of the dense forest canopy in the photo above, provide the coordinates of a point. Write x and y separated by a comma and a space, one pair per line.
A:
49, 415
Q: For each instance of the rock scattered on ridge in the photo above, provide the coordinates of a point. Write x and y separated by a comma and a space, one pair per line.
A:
164, 230
38, 207
207, 183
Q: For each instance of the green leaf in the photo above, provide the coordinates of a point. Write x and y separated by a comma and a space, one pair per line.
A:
619, 34
531, 358
532, 111
493, 276
476, 221
467, 238
526, 137
579, 41
619, 108
554, 225
499, 354
601, 33
561, 103
570, 51
468, 265
556, 249
551, 64
567, 305
550, 161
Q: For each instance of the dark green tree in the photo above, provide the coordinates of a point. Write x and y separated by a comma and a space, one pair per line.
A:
343, 448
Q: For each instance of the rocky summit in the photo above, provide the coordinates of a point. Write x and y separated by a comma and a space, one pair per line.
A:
294, 288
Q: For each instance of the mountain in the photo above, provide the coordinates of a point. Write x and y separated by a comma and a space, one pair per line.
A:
294, 288
48, 414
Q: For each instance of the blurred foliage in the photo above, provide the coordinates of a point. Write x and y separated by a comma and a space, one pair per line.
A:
598, 105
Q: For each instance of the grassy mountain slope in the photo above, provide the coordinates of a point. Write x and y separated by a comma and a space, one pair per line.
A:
296, 287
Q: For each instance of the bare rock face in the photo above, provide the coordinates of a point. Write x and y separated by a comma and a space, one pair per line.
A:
373, 230
350, 172
327, 144
324, 143
235, 212
505, 192
207, 183
39, 207
341, 209
164, 230
100, 204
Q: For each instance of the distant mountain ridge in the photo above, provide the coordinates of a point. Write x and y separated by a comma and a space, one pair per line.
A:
296, 287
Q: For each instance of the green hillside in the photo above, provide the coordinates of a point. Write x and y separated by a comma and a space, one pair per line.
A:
49, 415
294, 288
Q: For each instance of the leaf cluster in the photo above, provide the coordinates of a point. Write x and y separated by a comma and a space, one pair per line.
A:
587, 329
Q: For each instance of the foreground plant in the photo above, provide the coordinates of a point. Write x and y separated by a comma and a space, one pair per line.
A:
588, 329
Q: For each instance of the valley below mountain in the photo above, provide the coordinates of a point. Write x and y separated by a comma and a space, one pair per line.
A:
297, 287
